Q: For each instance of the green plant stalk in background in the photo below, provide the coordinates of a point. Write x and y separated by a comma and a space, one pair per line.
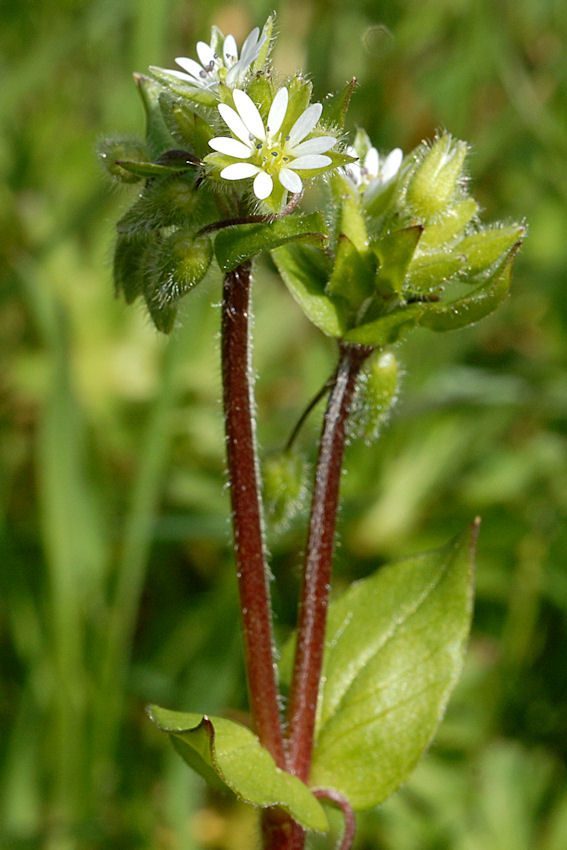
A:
400, 246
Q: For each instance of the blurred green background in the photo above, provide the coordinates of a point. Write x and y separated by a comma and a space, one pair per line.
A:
116, 585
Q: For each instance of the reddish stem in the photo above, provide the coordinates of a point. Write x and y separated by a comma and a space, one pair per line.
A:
319, 555
247, 519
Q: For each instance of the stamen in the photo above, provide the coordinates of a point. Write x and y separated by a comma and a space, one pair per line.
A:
258, 146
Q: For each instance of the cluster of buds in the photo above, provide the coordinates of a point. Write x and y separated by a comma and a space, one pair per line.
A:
229, 142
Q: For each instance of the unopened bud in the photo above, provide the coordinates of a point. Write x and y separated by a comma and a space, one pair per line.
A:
284, 476
436, 177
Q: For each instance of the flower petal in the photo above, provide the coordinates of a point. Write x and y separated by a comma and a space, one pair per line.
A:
234, 122
305, 123
179, 75
248, 111
392, 164
277, 111
372, 162
250, 48
239, 170
230, 147
263, 185
305, 163
190, 66
206, 54
290, 180
229, 50
319, 144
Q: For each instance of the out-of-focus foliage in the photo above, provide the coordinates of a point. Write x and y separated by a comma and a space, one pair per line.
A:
116, 582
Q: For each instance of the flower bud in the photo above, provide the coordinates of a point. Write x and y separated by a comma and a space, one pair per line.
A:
284, 475
436, 177
378, 395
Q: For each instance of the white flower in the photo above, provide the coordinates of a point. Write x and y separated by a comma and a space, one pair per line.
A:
374, 175
264, 152
213, 67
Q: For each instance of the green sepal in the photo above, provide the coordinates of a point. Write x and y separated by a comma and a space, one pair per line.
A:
163, 315
185, 125
395, 251
352, 223
388, 328
449, 226
234, 245
229, 756
305, 271
452, 315
394, 650
429, 272
267, 31
436, 176
203, 97
262, 90
335, 105
155, 169
168, 201
299, 90
481, 250
353, 273
158, 138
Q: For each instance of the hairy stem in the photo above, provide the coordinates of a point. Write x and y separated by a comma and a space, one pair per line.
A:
319, 555
247, 519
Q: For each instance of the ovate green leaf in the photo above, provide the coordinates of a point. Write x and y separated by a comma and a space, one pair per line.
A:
235, 245
394, 650
448, 316
305, 272
230, 756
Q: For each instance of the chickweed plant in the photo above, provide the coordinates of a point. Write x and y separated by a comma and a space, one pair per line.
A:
233, 158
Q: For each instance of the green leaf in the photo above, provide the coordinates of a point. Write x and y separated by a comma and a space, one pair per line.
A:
395, 251
235, 245
387, 329
394, 650
353, 273
305, 271
230, 756
335, 105
448, 316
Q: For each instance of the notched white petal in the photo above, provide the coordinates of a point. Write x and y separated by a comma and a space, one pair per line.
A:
319, 144
190, 66
372, 162
290, 180
248, 111
250, 48
234, 122
230, 147
277, 111
239, 171
392, 164
230, 50
305, 163
305, 123
263, 185
205, 54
